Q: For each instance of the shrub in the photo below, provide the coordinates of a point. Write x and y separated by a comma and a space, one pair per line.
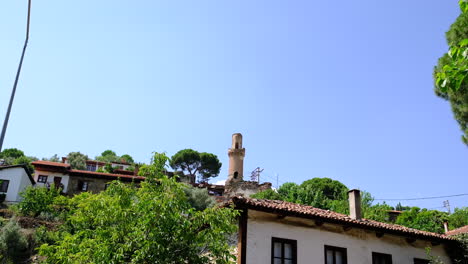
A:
13, 244
199, 198
37, 200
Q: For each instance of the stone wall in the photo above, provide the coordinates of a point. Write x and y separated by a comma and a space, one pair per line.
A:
245, 188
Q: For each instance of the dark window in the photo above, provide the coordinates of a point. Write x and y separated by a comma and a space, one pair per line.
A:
4, 185
83, 186
335, 255
106, 186
283, 251
237, 145
421, 261
42, 178
380, 258
236, 174
91, 167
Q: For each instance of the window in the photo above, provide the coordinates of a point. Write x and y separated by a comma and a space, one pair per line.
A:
335, 255
380, 258
42, 178
283, 251
91, 167
83, 185
421, 261
4, 185
106, 186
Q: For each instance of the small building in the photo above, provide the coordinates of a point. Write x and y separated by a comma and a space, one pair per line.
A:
288, 233
13, 180
75, 181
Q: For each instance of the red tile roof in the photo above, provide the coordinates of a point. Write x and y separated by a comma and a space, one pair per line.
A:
103, 174
50, 163
461, 230
304, 211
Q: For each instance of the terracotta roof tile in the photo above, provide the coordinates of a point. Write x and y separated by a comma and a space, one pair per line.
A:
50, 163
461, 230
304, 211
105, 174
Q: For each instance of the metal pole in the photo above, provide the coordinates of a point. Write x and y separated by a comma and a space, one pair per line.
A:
7, 117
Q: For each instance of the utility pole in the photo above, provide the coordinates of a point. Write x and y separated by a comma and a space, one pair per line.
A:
447, 205
7, 117
255, 175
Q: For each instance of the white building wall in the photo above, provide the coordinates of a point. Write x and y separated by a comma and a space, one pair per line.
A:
311, 239
19, 180
50, 179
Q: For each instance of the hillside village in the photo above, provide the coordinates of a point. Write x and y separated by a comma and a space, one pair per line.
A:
269, 227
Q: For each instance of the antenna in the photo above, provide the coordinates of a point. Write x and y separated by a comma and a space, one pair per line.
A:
7, 117
255, 174
447, 205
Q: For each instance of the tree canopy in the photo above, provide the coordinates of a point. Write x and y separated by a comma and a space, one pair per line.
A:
13, 156
450, 74
202, 165
77, 160
154, 223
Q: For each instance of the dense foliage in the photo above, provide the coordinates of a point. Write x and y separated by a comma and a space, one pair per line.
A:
110, 156
77, 160
451, 72
332, 195
201, 164
154, 223
199, 198
13, 156
13, 244
423, 219
37, 200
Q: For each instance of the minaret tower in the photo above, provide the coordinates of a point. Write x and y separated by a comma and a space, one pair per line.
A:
236, 160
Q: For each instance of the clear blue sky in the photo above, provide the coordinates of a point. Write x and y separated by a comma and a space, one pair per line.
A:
339, 89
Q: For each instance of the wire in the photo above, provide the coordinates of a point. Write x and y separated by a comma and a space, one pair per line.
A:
423, 198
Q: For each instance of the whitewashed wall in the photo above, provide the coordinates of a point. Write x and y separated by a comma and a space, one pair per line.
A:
311, 239
50, 178
19, 180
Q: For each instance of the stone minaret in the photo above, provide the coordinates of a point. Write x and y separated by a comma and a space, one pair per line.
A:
236, 160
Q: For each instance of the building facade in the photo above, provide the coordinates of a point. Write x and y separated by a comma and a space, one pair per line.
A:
287, 233
13, 180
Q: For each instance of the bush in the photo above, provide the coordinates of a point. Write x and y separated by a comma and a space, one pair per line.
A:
37, 200
13, 244
199, 198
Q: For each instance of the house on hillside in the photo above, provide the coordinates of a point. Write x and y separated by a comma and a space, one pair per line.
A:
75, 181
279, 232
13, 180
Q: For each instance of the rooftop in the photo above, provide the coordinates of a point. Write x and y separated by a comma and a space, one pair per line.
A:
461, 230
304, 211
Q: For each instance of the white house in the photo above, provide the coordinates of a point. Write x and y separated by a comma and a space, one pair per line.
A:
13, 180
279, 232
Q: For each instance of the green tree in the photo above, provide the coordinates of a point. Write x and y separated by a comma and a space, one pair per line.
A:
204, 165
77, 160
127, 158
151, 224
450, 73
319, 192
459, 218
54, 158
13, 244
37, 200
199, 198
108, 156
25, 161
10, 155
268, 195
427, 220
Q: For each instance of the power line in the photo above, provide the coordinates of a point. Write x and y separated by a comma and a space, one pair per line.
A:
423, 198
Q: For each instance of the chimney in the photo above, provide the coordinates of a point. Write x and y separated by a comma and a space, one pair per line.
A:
446, 226
355, 204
